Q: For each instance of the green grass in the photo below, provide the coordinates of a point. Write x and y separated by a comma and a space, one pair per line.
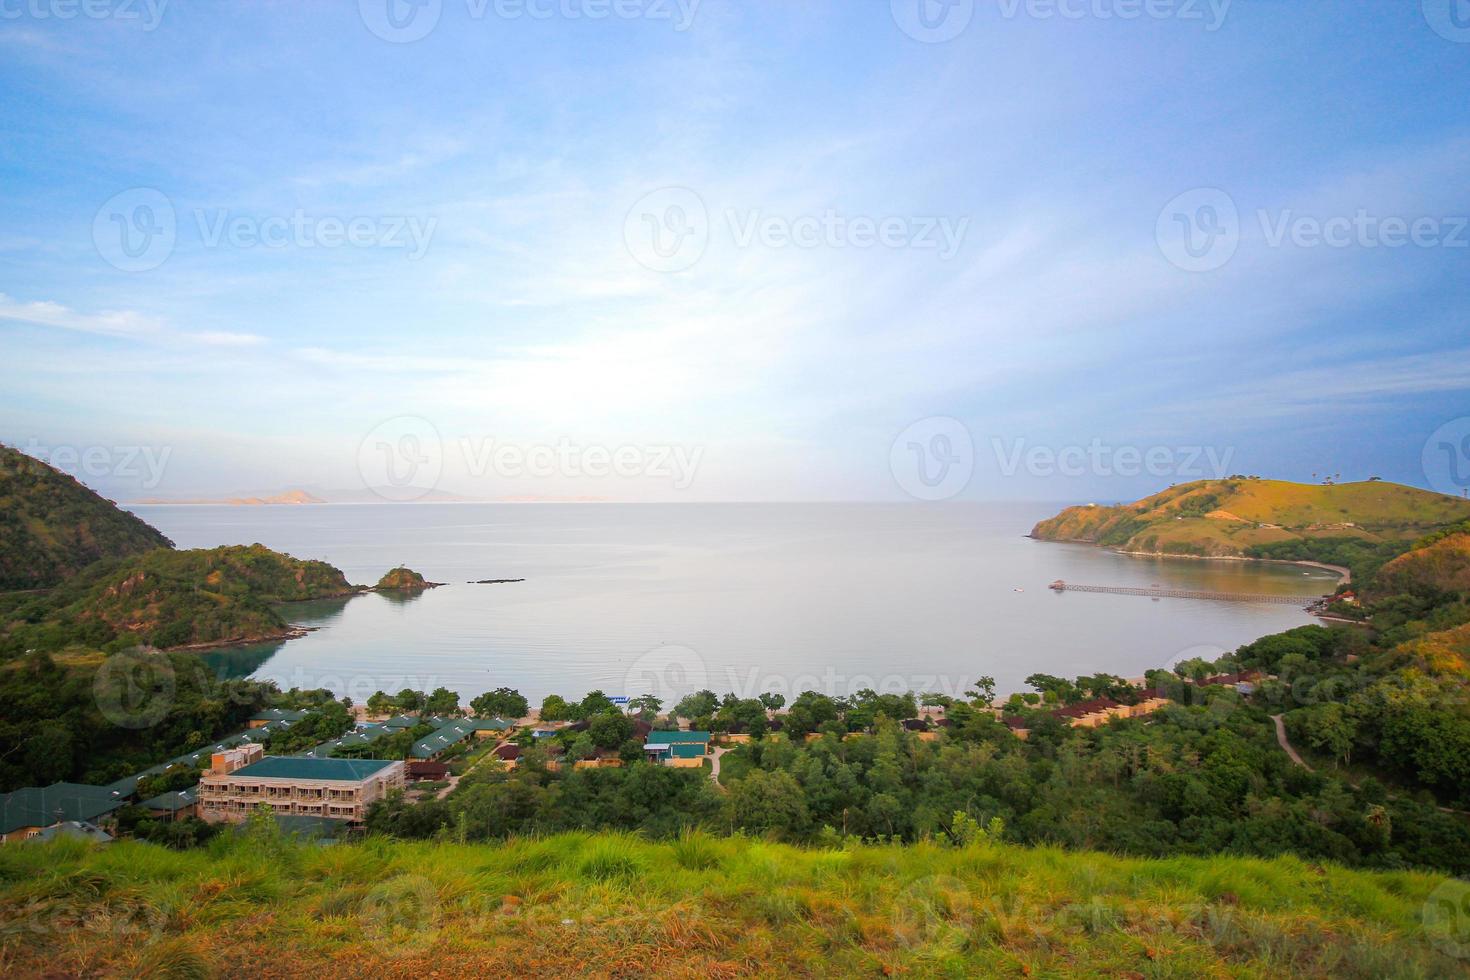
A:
699, 906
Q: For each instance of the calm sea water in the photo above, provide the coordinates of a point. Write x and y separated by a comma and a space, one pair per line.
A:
632, 598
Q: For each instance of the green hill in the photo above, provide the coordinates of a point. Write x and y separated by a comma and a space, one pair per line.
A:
51, 527
1243, 517
178, 598
1440, 566
619, 906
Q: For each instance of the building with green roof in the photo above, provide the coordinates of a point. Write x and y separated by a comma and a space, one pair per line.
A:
26, 812
682, 749
302, 786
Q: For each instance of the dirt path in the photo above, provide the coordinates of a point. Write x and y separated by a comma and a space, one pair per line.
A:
1286, 745
1296, 758
714, 766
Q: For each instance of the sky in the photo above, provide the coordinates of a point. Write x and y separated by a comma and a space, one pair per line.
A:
678, 250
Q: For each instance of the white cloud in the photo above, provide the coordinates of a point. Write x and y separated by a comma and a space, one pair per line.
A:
126, 324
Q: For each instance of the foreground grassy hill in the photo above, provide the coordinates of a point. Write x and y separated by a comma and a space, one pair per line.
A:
170, 598
617, 906
1243, 517
51, 527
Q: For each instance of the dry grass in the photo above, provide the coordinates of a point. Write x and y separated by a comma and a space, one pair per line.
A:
615, 906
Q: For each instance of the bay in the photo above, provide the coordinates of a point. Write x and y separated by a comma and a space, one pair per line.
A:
670, 598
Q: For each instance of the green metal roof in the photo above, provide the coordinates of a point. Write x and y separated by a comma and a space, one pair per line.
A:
279, 714
431, 745
299, 767
37, 807
675, 738
686, 750
173, 801
76, 829
489, 724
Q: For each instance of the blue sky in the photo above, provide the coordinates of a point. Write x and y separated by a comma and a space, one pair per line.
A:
1025, 298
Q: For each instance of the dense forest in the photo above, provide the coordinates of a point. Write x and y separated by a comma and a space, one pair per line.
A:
51, 527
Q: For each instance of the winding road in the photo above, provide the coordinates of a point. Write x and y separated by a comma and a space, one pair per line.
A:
1296, 758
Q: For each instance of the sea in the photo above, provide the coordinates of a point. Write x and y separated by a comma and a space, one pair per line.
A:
666, 599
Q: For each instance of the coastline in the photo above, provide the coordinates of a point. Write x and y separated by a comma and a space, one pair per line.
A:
290, 633
1345, 575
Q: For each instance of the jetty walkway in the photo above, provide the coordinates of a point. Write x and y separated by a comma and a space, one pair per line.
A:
1162, 593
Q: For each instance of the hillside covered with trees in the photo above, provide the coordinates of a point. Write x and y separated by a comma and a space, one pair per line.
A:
168, 598
101, 635
51, 526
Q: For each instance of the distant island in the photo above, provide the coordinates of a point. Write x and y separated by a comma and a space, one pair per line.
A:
289, 497
298, 496
402, 579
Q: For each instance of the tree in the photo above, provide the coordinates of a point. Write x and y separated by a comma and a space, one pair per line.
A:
379, 703
809, 712
581, 746
555, 708
701, 704
409, 700
748, 716
442, 702
595, 703
48, 753
769, 803
1053, 688
503, 702
610, 730
773, 702
646, 707
981, 696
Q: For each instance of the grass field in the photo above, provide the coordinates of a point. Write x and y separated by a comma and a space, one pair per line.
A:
1225, 517
609, 905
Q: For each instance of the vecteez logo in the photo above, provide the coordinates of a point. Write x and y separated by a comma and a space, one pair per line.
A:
1450, 19
1199, 231
400, 21
148, 13
932, 21
406, 21
667, 230
401, 459
136, 230
933, 459
1446, 458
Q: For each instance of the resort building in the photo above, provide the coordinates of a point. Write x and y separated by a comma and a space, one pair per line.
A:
418, 769
27, 812
678, 749
334, 789
176, 805
452, 731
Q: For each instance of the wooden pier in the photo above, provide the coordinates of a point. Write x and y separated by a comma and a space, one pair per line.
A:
1162, 593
